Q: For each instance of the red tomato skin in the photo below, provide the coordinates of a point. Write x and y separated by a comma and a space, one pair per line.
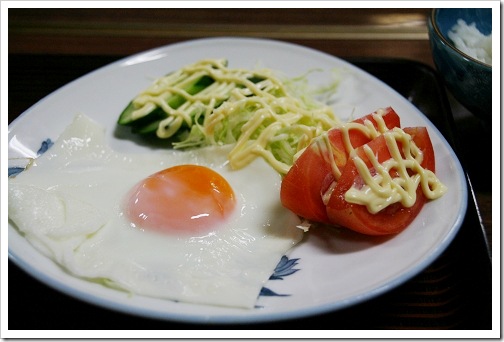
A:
422, 140
302, 187
392, 219
357, 138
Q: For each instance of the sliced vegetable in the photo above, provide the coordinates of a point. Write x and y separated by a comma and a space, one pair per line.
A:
304, 186
369, 175
190, 86
405, 206
207, 103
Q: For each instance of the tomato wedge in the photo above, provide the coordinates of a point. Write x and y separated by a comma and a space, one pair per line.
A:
309, 177
392, 219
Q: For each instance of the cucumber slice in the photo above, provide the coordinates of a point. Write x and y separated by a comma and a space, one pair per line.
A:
146, 129
174, 101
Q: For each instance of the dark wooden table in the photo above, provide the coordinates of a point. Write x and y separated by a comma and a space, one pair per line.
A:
452, 293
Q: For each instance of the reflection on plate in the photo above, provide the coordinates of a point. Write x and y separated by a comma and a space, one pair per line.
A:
337, 268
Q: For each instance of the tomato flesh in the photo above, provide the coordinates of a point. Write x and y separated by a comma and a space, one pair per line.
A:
308, 179
301, 187
394, 218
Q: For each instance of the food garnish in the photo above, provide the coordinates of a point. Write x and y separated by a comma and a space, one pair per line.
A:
207, 103
369, 175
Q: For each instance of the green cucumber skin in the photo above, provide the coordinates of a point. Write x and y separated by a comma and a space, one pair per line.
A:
125, 117
147, 129
175, 101
149, 123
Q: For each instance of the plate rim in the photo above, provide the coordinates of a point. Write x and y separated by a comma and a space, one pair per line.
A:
320, 309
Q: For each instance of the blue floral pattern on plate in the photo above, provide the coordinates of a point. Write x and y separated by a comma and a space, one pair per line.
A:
44, 146
15, 170
284, 268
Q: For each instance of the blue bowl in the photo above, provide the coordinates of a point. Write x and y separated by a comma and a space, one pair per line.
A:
468, 79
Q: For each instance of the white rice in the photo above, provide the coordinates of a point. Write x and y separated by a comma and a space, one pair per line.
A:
468, 39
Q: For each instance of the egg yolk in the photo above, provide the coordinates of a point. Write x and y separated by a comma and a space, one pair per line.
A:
181, 199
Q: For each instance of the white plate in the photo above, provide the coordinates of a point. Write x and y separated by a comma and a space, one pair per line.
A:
336, 270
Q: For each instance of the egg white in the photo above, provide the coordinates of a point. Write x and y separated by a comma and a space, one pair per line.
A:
68, 204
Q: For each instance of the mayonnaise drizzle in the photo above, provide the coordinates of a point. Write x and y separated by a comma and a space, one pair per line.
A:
268, 112
323, 146
380, 189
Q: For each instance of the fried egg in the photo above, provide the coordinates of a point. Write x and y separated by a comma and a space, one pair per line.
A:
167, 224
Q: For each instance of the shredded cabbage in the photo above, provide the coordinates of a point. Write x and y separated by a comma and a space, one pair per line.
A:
274, 118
